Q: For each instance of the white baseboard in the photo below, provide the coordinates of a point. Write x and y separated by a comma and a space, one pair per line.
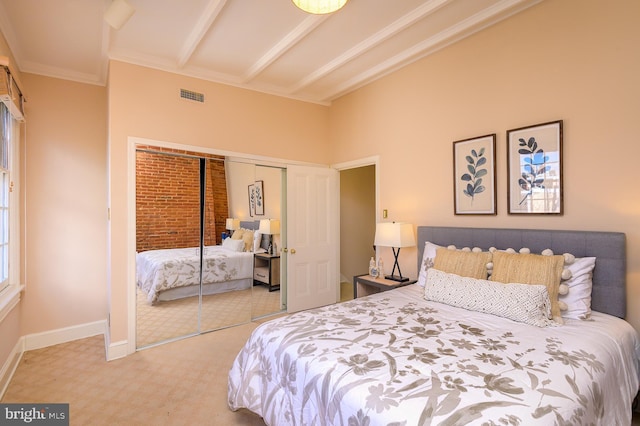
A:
10, 366
63, 335
55, 337
117, 350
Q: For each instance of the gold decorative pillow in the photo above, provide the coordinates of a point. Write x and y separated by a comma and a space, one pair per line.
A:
464, 263
531, 269
237, 234
247, 237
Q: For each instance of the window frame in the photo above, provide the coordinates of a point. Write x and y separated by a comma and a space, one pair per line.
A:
10, 293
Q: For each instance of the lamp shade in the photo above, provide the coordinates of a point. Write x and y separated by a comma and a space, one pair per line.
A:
232, 224
319, 7
118, 13
394, 234
269, 226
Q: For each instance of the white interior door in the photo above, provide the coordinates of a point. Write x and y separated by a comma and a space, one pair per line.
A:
312, 237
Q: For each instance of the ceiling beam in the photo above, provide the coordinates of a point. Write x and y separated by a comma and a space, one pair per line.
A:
471, 25
208, 16
390, 30
310, 23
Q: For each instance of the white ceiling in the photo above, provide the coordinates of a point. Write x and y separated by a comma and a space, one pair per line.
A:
265, 45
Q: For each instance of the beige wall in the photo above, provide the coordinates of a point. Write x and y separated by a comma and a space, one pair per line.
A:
145, 103
66, 207
572, 60
239, 176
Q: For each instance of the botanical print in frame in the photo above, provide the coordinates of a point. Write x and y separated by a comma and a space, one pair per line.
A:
259, 197
534, 164
252, 200
474, 175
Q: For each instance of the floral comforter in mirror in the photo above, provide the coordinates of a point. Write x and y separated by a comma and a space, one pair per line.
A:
159, 270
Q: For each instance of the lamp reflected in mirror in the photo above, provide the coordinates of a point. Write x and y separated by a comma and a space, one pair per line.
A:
270, 227
232, 224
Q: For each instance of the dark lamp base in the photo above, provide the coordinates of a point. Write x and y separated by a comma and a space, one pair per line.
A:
396, 278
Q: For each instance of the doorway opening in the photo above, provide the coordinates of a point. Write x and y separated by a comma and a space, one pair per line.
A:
357, 224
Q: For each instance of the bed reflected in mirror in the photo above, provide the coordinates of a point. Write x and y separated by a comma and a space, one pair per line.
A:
182, 203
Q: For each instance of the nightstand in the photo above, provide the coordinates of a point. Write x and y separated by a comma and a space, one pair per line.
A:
266, 270
364, 285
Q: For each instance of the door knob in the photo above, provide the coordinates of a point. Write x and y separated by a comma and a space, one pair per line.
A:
293, 251
285, 249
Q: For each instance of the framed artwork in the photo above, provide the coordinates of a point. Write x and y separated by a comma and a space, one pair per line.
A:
252, 200
258, 188
534, 169
256, 198
474, 175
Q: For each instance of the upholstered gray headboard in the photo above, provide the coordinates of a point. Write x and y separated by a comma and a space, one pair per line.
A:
250, 224
609, 248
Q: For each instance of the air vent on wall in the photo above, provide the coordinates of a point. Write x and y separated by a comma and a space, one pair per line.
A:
192, 96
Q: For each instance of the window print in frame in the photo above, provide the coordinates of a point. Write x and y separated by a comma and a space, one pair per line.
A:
474, 173
534, 169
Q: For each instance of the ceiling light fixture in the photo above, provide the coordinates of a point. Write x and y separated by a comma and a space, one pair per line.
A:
319, 7
118, 13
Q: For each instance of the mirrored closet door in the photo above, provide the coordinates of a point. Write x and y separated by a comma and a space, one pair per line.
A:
167, 246
188, 279
227, 266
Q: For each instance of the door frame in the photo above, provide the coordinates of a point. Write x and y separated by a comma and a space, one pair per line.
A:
367, 161
363, 162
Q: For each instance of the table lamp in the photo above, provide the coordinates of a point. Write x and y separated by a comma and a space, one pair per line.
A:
395, 235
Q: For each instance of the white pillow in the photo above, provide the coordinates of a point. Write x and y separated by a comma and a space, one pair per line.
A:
578, 299
233, 245
427, 261
525, 303
257, 239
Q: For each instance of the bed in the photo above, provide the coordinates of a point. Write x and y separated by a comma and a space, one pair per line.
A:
170, 274
396, 358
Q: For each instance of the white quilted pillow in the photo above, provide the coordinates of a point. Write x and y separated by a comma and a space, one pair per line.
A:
519, 302
578, 298
257, 239
428, 257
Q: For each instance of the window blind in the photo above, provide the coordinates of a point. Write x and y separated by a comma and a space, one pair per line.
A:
10, 93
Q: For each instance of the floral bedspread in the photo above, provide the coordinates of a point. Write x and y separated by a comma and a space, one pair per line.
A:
395, 359
158, 270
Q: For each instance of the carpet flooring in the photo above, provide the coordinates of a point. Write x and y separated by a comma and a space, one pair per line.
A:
183, 382
173, 319
178, 383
